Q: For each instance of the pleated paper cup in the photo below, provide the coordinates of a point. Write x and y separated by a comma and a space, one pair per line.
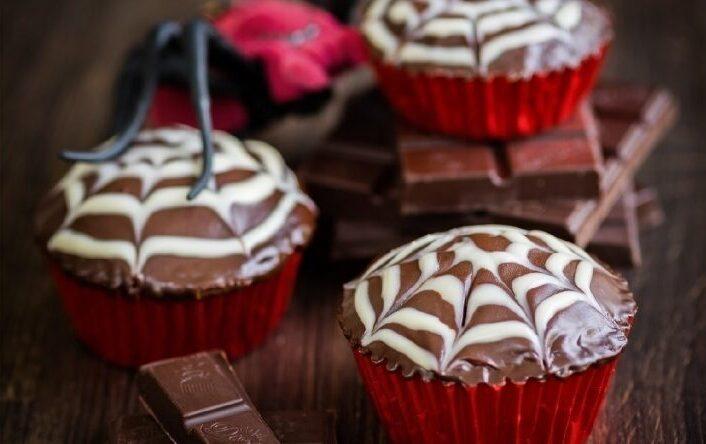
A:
553, 410
131, 330
497, 108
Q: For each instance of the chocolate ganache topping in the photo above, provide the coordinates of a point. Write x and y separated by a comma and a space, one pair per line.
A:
492, 37
488, 303
128, 224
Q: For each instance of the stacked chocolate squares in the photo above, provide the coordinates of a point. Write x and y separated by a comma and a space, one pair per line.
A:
382, 181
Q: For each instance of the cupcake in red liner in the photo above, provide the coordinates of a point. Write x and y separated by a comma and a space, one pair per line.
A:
486, 70
487, 334
294, 54
146, 273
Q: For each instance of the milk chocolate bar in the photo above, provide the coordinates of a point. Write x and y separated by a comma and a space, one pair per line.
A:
444, 174
370, 187
199, 398
290, 427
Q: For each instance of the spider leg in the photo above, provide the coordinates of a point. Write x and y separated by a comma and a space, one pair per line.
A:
158, 39
197, 35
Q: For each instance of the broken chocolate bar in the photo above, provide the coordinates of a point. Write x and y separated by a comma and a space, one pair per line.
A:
199, 398
369, 188
444, 174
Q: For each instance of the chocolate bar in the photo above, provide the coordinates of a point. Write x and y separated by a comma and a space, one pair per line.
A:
290, 427
199, 398
444, 174
370, 186
632, 120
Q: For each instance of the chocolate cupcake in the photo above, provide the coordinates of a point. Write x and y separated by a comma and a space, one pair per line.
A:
145, 273
494, 69
487, 333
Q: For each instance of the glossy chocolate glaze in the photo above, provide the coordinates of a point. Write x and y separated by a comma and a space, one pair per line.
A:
485, 38
269, 208
486, 304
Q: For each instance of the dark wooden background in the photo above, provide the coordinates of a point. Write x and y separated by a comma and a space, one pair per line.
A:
58, 61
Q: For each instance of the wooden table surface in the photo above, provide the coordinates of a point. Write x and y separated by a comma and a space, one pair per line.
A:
59, 59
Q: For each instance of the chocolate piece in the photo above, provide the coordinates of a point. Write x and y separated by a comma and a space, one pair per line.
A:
127, 224
290, 427
487, 303
356, 174
199, 398
642, 127
573, 219
445, 174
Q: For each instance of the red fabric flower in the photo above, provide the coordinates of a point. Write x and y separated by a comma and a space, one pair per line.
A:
300, 46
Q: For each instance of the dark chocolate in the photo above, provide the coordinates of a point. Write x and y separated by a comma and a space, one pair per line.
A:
444, 174
199, 398
643, 123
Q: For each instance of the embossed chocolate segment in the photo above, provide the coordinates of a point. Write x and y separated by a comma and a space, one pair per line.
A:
198, 398
484, 37
487, 303
445, 174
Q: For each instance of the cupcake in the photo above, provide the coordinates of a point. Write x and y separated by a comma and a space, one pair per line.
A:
494, 69
144, 273
487, 333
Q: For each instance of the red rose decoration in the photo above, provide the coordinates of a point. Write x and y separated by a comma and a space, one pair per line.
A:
300, 46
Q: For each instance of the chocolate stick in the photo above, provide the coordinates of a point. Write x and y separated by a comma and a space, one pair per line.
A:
199, 398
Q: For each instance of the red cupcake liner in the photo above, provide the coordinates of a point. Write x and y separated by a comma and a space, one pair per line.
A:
499, 108
131, 331
554, 410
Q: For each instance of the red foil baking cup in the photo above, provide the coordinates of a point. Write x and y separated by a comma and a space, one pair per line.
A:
554, 410
498, 108
131, 331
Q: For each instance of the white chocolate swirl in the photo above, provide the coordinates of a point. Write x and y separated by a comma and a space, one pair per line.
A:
488, 302
472, 35
173, 154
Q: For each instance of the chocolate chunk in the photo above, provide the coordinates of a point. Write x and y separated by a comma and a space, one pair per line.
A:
652, 112
291, 427
199, 398
444, 174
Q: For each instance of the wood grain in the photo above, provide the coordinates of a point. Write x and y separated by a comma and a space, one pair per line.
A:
59, 59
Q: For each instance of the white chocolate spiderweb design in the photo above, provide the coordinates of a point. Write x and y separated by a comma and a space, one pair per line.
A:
440, 304
171, 154
465, 33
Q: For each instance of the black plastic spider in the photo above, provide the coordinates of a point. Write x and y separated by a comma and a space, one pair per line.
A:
194, 54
